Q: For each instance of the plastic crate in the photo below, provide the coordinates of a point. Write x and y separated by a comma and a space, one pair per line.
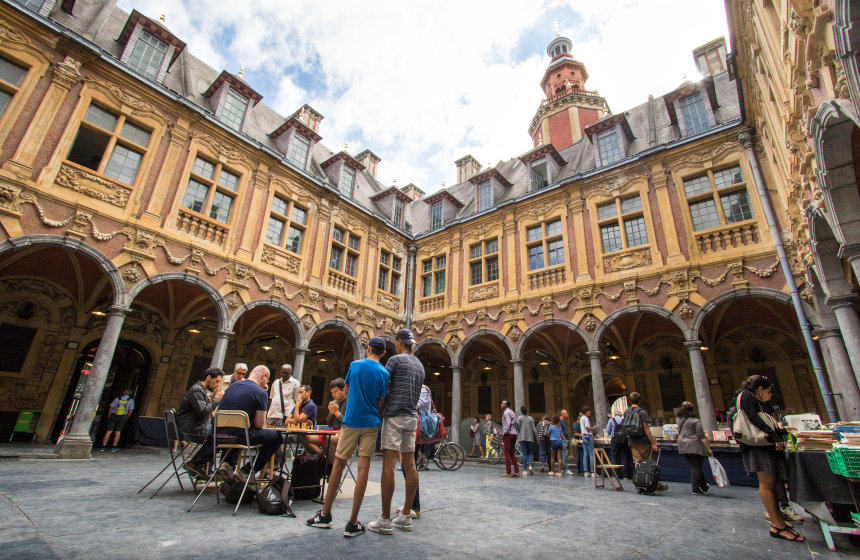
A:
845, 461
855, 517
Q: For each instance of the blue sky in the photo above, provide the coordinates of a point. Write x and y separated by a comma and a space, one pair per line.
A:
422, 84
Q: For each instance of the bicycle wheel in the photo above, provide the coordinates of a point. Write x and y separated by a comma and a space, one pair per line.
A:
496, 455
450, 457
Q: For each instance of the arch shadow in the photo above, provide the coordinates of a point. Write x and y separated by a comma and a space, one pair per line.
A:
210, 291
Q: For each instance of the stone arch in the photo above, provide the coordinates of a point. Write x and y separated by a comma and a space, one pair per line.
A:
292, 318
825, 252
768, 293
844, 31
435, 342
476, 335
517, 354
593, 343
75, 245
216, 298
351, 335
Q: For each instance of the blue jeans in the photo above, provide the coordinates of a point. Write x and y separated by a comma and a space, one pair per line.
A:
527, 447
588, 453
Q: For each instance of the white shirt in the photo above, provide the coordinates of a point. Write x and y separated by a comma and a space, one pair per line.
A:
584, 423
291, 392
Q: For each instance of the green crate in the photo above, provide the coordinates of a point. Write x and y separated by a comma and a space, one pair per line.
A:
845, 461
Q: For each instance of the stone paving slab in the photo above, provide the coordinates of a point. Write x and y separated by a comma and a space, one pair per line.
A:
91, 510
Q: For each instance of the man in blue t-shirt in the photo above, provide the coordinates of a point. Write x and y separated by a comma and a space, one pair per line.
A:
250, 396
366, 384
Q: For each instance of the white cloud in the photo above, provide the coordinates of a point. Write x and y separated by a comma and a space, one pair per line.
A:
424, 83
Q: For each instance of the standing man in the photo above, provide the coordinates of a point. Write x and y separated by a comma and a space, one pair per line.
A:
120, 410
240, 371
285, 390
509, 440
192, 419
399, 422
568, 441
636, 425
366, 384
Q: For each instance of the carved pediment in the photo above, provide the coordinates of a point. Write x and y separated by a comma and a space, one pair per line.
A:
92, 185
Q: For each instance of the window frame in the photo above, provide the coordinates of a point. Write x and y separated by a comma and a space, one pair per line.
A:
399, 212
481, 261
228, 94
389, 272
298, 137
484, 198
287, 222
700, 97
235, 195
149, 46
351, 190
620, 219
441, 221
348, 250
433, 274
541, 244
546, 180
716, 195
617, 153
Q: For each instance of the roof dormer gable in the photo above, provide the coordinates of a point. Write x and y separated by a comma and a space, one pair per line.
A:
231, 100
691, 107
150, 49
610, 138
341, 170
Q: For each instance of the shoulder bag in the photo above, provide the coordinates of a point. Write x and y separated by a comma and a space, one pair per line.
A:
746, 432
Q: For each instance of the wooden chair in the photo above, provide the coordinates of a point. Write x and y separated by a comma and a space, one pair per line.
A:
606, 469
231, 419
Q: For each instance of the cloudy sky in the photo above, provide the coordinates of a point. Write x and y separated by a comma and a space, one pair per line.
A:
423, 83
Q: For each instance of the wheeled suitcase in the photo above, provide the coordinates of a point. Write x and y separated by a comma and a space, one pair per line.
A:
646, 476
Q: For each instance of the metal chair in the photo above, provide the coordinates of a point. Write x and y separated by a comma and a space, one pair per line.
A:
173, 435
231, 419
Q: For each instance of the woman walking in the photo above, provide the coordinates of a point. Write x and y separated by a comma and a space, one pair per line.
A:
543, 442
475, 433
556, 441
526, 436
766, 462
488, 430
587, 441
693, 445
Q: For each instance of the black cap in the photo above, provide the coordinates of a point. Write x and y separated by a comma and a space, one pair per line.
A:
377, 342
406, 336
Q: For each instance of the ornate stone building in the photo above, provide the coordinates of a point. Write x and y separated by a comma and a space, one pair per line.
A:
157, 217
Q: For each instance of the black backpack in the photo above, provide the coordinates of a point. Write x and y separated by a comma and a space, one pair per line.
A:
619, 438
631, 426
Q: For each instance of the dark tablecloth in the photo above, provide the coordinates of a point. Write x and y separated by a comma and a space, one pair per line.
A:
150, 431
811, 480
674, 468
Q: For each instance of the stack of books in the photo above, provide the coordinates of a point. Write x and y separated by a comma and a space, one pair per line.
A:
814, 439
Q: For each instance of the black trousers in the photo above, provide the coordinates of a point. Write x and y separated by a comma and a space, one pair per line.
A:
697, 476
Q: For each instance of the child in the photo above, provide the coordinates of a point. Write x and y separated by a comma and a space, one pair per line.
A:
556, 442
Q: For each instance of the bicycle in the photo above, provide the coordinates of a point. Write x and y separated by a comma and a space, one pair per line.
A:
447, 455
497, 451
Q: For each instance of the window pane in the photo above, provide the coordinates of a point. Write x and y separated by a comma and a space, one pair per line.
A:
395, 263
353, 242
540, 178
99, 117
134, 133
5, 98
347, 177
555, 252
697, 185
298, 152
11, 73
726, 177
610, 235
274, 231
484, 196
279, 205
534, 233
233, 110
492, 246
383, 278
398, 212
229, 180
299, 215
436, 215
631, 204
395, 284
203, 168
553, 228
475, 273
148, 55
535, 257
609, 147
383, 257
123, 164
336, 258
338, 235
89, 147
427, 266
294, 239
704, 214
492, 269
351, 264
736, 207
475, 251
634, 228
195, 196
608, 210
440, 282
441, 261
426, 286
694, 114
221, 206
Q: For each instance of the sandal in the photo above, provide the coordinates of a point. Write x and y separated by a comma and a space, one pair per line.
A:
787, 522
786, 533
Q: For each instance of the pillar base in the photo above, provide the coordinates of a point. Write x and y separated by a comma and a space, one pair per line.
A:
72, 447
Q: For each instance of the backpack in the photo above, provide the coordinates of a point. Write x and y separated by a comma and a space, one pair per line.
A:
619, 438
631, 426
541, 431
277, 498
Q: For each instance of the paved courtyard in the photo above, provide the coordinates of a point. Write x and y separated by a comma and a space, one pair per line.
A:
91, 510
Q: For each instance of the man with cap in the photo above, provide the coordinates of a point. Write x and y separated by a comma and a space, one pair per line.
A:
282, 396
399, 422
366, 384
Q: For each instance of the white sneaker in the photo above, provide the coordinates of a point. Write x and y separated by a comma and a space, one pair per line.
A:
382, 526
402, 522
568, 471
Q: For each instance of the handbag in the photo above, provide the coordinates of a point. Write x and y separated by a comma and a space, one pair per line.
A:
439, 433
277, 498
746, 432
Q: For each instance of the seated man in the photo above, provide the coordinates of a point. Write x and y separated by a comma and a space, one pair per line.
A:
306, 411
333, 421
192, 419
250, 396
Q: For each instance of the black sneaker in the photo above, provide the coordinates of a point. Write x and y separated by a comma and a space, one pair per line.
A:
353, 529
322, 521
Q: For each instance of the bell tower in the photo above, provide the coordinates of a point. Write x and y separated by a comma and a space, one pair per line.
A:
567, 108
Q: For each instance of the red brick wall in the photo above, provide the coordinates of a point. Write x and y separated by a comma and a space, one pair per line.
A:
559, 130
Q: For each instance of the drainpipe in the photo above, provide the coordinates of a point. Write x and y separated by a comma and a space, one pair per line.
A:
410, 284
745, 137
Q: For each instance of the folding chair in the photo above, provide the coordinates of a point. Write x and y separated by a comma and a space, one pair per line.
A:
604, 468
173, 435
231, 419
348, 470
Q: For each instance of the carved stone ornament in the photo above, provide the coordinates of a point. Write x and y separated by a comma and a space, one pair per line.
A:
627, 260
454, 342
364, 338
93, 186
485, 292
280, 259
704, 156
307, 321
388, 302
67, 73
140, 242
232, 301
132, 275
228, 152
686, 311
515, 333
590, 323
11, 198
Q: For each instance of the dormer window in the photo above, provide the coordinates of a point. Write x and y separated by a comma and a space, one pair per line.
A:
149, 48
299, 149
436, 215
694, 115
609, 147
347, 180
147, 56
485, 196
399, 206
232, 113
32, 5
540, 177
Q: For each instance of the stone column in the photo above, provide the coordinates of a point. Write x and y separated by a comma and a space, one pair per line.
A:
77, 444
849, 326
456, 404
299, 365
839, 371
220, 349
704, 402
583, 273
519, 390
597, 388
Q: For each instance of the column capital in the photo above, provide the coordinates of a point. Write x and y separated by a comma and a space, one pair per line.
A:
693, 345
827, 333
119, 311
301, 350
849, 252
594, 354
412, 249
518, 362
745, 137
67, 73
225, 334
835, 302
456, 369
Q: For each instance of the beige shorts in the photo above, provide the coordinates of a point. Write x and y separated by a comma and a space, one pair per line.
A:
350, 438
398, 433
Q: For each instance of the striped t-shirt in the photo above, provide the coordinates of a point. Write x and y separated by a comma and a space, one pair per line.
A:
404, 388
